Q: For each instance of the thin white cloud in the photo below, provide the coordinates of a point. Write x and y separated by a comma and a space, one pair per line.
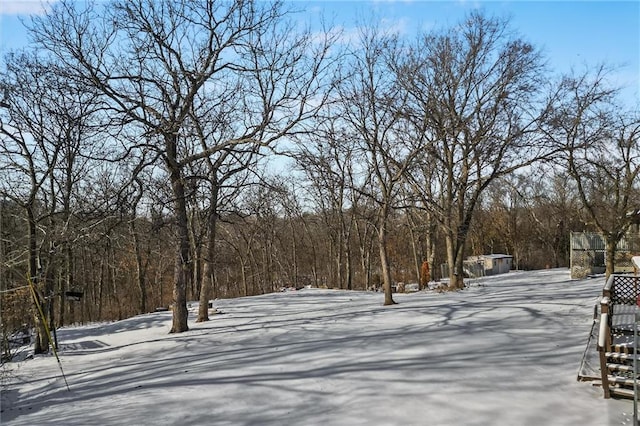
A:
24, 7
352, 35
395, 25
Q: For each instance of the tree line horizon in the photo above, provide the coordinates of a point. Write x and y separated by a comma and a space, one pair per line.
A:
137, 141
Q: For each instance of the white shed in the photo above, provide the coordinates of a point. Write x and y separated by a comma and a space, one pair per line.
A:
493, 263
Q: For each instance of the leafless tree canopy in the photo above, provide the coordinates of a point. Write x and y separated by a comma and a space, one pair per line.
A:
599, 143
156, 152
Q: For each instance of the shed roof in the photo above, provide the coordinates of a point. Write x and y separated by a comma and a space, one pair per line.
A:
495, 256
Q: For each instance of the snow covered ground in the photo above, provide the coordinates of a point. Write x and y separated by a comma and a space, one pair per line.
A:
505, 351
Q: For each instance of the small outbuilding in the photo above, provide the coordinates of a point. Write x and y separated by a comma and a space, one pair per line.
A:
492, 264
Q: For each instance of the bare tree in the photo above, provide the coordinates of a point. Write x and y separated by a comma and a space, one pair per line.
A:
141, 245
422, 239
155, 60
279, 88
474, 96
241, 234
326, 159
421, 189
38, 138
601, 142
554, 206
532, 214
371, 99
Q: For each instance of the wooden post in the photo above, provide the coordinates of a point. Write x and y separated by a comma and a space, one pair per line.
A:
602, 349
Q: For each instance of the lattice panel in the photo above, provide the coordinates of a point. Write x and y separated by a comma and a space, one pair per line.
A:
625, 290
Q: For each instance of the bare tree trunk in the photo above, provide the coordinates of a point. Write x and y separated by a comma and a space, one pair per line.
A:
414, 247
181, 269
196, 270
254, 268
294, 254
209, 280
270, 285
611, 245
349, 265
365, 259
332, 265
66, 284
314, 266
384, 262
243, 273
340, 259
113, 281
431, 251
205, 291
41, 344
103, 271
364, 252
455, 252
140, 267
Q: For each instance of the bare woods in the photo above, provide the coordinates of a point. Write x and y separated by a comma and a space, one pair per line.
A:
157, 152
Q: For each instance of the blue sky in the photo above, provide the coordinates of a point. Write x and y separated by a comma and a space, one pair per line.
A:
570, 33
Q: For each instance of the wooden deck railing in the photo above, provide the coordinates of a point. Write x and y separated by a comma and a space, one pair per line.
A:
620, 293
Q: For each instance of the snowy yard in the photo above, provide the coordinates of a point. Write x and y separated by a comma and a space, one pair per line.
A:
505, 351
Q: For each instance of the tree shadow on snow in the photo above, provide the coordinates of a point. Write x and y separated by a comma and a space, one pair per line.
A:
305, 350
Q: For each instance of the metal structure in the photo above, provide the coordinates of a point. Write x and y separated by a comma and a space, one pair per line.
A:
588, 254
